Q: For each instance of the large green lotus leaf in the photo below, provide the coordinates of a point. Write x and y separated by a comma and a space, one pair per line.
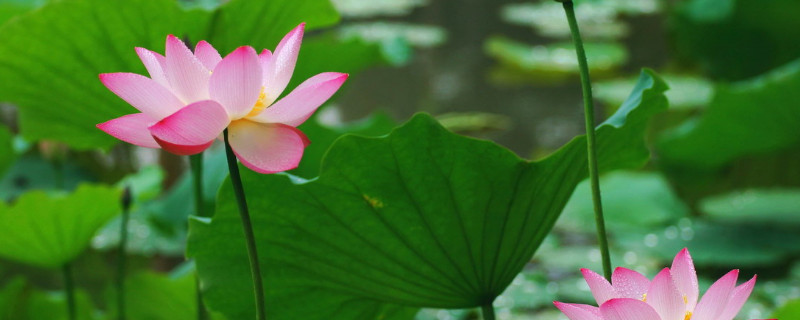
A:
50, 58
48, 230
7, 154
421, 217
754, 116
42, 305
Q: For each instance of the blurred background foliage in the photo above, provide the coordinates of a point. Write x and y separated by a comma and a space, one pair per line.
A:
724, 178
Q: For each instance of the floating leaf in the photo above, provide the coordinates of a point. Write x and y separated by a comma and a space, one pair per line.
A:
421, 218
51, 230
631, 201
370, 8
778, 206
417, 35
754, 116
685, 92
520, 62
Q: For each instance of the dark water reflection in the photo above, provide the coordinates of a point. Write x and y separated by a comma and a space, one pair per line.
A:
454, 77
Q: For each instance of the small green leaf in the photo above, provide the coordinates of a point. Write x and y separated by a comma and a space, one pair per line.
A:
50, 230
755, 116
420, 218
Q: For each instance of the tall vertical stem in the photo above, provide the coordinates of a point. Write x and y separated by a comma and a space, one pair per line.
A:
121, 252
69, 290
488, 311
255, 270
196, 162
588, 107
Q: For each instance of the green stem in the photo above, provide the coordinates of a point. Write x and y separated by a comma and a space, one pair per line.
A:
69, 290
121, 252
588, 105
255, 270
488, 311
196, 162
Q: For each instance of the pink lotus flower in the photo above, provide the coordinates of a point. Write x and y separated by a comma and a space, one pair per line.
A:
190, 98
672, 295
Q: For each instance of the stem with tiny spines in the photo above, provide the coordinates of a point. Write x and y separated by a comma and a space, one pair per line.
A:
238, 189
121, 252
69, 290
488, 311
196, 162
591, 145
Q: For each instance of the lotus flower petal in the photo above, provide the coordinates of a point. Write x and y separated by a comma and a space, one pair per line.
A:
155, 64
300, 104
685, 278
142, 93
236, 82
665, 298
601, 289
267, 147
575, 311
280, 66
186, 74
716, 298
192, 129
629, 284
131, 128
737, 299
628, 309
207, 55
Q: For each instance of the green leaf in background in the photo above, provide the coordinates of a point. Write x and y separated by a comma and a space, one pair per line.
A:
262, 24
7, 154
767, 206
10, 297
158, 226
631, 201
734, 40
154, 296
41, 305
51, 57
50, 230
32, 172
755, 116
422, 218
790, 310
